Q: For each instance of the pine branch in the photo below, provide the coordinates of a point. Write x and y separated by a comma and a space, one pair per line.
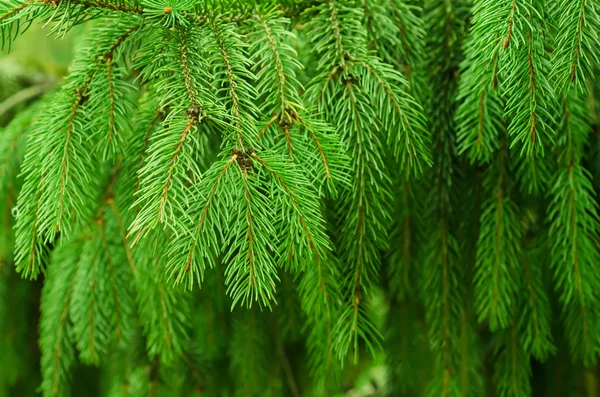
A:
307, 139
526, 69
169, 162
164, 311
575, 57
534, 322
16, 16
56, 340
512, 370
60, 185
479, 116
498, 250
573, 220
251, 269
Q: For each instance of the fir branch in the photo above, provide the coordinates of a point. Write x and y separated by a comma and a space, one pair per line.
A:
574, 58
404, 240
251, 271
479, 114
344, 43
342, 52
573, 213
233, 81
123, 234
306, 138
290, 194
443, 301
497, 250
534, 322
525, 64
361, 232
146, 121
169, 162
56, 340
68, 13
270, 23
108, 103
412, 40
512, 370
88, 306
573, 221
164, 311
302, 220
60, 185
410, 145
189, 258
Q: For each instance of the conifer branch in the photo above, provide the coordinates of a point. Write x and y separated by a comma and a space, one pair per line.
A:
56, 341
526, 65
164, 311
191, 265
534, 322
186, 94
123, 232
573, 214
234, 81
411, 142
271, 154
512, 371
281, 79
59, 191
574, 58
497, 251
479, 116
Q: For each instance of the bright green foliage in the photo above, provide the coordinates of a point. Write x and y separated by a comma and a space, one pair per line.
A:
56, 329
289, 198
576, 23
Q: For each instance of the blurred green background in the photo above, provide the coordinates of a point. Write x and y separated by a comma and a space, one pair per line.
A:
34, 64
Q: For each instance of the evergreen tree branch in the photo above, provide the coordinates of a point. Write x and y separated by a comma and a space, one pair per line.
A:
189, 258
512, 370
56, 341
233, 79
497, 250
60, 184
169, 161
573, 217
479, 116
525, 64
164, 311
251, 271
574, 58
534, 321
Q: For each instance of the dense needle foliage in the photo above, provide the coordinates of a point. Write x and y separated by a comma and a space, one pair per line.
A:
281, 198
